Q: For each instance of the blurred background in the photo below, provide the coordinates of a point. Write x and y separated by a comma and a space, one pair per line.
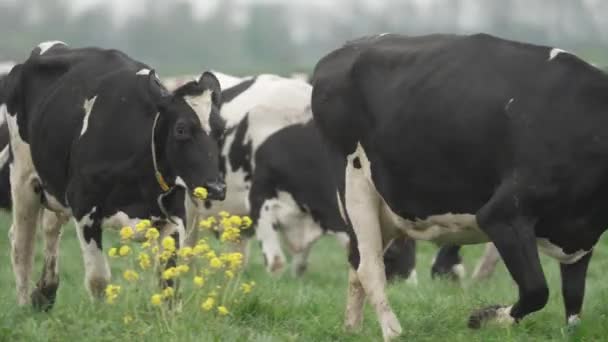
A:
285, 36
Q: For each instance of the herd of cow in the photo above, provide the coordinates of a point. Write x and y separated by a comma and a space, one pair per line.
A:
452, 139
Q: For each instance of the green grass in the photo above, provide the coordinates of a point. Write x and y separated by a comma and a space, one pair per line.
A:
307, 309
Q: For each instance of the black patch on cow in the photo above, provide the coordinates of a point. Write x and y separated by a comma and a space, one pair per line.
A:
357, 163
231, 93
239, 153
208, 204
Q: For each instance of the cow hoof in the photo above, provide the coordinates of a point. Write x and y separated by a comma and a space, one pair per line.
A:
43, 299
277, 265
456, 273
299, 270
573, 323
496, 313
391, 328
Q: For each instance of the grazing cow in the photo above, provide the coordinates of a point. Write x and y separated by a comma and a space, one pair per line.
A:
94, 135
467, 139
253, 108
293, 195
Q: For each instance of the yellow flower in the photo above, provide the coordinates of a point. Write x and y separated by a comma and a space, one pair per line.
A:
236, 220
146, 244
210, 255
182, 269
124, 250
222, 310
168, 292
142, 225
226, 223
235, 260
229, 274
230, 234
144, 260
156, 299
113, 252
224, 213
213, 294
199, 281
126, 233
112, 292
208, 304
215, 263
154, 250
200, 193
165, 255
170, 273
200, 249
169, 244
130, 275
206, 224
152, 234
127, 319
246, 288
185, 252
247, 222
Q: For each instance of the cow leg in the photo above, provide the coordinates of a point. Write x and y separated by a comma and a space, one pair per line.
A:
573, 287
355, 300
448, 264
363, 208
270, 241
487, 263
300, 261
514, 237
97, 271
26, 207
43, 296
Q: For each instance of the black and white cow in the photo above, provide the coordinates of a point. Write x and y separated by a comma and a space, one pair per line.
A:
94, 135
293, 196
467, 139
254, 108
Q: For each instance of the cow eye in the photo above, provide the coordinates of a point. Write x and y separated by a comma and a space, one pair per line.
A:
180, 131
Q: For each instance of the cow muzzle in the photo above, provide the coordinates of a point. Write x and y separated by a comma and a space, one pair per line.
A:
216, 191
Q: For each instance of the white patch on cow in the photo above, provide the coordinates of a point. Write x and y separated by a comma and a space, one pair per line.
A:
574, 320
503, 316
4, 155
143, 72
340, 206
413, 278
459, 270
363, 208
202, 106
555, 52
45, 46
180, 181
508, 105
342, 238
88, 108
557, 252
97, 271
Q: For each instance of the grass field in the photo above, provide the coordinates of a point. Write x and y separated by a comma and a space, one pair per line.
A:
307, 309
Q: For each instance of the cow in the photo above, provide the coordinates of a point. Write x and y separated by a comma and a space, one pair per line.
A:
293, 196
95, 136
253, 108
464, 139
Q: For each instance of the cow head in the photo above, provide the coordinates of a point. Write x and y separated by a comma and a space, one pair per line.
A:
189, 131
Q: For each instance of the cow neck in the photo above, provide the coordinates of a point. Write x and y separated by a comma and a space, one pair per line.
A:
157, 174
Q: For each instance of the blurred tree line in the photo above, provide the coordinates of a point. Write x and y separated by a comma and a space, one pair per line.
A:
289, 36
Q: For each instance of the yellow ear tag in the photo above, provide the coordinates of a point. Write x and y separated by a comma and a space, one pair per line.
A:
161, 182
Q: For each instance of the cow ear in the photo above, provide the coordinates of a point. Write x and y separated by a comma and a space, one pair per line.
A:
208, 81
157, 89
